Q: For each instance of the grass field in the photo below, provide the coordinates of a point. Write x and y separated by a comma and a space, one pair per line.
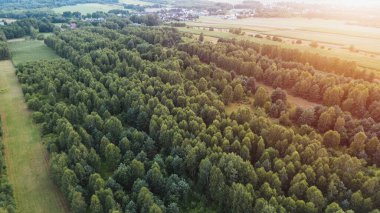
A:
8, 20
364, 60
333, 34
88, 8
26, 157
327, 31
136, 2
30, 50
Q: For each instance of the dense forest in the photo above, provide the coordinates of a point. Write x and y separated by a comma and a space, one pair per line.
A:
278, 70
319, 62
4, 50
7, 203
348, 106
135, 120
26, 27
36, 13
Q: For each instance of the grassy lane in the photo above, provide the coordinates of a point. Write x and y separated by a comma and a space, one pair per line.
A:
26, 156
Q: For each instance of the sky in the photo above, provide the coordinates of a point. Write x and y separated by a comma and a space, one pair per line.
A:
335, 2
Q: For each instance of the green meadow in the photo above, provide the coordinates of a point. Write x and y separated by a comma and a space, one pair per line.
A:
26, 156
88, 8
30, 50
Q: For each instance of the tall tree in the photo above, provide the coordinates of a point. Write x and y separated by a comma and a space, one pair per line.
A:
112, 155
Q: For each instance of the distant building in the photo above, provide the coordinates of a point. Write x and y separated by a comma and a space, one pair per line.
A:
230, 17
179, 14
73, 25
94, 20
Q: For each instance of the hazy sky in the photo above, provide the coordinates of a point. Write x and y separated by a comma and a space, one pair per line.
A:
336, 2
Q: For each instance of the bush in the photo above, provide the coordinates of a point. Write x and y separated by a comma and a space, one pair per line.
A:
40, 37
314, 44
4, 51
34, 104
38, 117
275, 38
237, 31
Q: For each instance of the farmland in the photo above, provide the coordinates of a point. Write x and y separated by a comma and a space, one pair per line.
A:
88, 8
135, 2
334, 36
94, 7
296, 25
25, 51
362, 59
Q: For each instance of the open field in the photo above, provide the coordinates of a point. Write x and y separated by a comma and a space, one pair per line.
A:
370, 61
26, 157
294, 26
46, 34
135, 2
16, 40
8, 20
333, 34
25, 50
88, 8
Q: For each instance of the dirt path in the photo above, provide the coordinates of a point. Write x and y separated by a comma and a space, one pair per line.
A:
26, 156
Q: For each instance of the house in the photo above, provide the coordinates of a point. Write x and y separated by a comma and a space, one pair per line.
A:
94, 20
73, 25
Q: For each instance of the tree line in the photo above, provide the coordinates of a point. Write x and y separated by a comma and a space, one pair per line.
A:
26, 27
4, 50
34, 4
324, 63
7, 203
139, 125
32, 13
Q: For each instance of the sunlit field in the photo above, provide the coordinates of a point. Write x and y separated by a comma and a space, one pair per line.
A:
88, 8
324, 31
135, 2
366, 60
334, 37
